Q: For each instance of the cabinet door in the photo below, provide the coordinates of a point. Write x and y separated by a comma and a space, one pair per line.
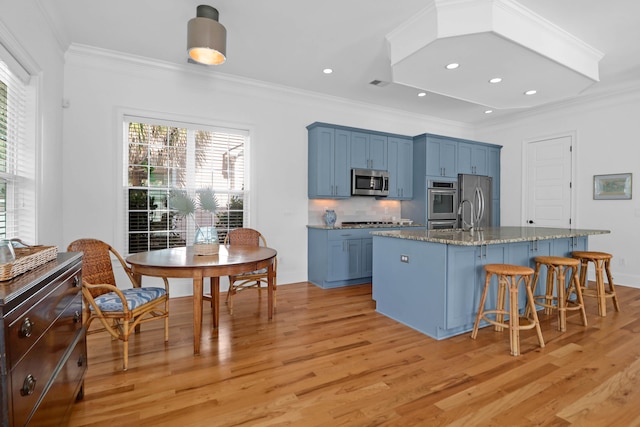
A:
338, 258
462, 295
392, 167
472, 159
367, 257
359, 150
354, 255
345, 259
405, 169
341, 170
378, 152
493, 169
441, 157
400, 167
321, 162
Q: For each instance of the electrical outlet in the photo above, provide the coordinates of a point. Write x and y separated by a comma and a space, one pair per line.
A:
622, 262
404, 258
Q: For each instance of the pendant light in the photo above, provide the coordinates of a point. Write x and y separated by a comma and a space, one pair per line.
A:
206, 37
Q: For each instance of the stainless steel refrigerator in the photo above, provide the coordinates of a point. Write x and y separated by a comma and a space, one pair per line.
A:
474, 201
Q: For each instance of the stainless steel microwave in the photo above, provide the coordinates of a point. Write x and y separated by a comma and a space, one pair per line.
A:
369, 182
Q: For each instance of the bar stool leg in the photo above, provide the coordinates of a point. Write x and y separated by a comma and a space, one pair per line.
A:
562, 299
548, 296
502, 290
574, 285
534, 284
602, 302
612, 289
483, 298
527, 286
514, 316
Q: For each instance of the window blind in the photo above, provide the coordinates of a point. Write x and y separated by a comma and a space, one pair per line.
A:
17, 156
164, 156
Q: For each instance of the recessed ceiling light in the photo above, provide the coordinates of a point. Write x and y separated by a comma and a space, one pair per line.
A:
327, 71
422, 94
531, 92
452, 66
488, 111
495, 80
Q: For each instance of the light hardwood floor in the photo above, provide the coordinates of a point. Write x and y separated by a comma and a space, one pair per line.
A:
328, 359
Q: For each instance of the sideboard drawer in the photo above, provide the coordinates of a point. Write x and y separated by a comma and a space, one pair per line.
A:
32, 373
27, 328
67, 386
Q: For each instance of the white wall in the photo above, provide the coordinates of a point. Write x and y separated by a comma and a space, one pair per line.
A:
607, 141
101, 85
25, 34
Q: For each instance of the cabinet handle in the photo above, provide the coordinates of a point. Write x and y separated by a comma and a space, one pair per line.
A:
28, 386
26, 328
76, 281
81, 360
77, 317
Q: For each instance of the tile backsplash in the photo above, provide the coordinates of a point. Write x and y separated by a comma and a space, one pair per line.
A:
354, 209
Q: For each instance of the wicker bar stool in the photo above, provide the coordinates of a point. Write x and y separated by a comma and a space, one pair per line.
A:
557, 269
508, 277
602, 261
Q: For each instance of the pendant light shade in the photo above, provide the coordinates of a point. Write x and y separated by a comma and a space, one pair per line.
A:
206, 37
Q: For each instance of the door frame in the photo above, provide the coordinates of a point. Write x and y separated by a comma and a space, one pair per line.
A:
574, 173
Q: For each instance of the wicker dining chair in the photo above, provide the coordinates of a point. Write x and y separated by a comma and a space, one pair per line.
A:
254, 279
119, 310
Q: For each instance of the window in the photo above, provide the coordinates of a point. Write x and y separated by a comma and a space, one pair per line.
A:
164, 157
17, 158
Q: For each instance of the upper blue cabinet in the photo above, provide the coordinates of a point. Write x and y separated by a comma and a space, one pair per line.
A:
335, 150
441, 156
329, 170
472, 158
368, 151
400, 162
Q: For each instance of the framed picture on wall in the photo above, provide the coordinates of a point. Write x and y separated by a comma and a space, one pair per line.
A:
612, 187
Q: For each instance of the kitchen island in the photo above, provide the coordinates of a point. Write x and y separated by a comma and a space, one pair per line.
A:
431, 280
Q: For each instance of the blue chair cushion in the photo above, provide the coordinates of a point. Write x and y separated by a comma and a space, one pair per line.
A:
135, 298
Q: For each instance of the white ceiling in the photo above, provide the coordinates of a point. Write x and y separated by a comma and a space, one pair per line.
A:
290, 42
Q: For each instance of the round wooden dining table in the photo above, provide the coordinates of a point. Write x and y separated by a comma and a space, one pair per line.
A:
181, 262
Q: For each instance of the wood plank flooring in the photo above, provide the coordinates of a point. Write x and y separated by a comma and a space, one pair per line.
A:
328, 359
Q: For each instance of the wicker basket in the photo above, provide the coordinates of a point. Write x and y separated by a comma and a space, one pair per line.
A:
206, 249
27, 259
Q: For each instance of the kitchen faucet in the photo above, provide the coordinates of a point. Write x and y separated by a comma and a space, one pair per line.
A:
460, 213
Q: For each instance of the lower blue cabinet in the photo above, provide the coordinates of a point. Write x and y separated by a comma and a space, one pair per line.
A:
340, 256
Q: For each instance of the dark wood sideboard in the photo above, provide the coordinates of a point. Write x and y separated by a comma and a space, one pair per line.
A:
43, 351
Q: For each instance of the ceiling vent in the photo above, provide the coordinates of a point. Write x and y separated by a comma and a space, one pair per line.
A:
379, 83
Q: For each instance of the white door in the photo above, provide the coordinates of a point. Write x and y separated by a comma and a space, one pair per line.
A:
548, 187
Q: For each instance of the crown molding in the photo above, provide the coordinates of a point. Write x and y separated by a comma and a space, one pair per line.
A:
89, 56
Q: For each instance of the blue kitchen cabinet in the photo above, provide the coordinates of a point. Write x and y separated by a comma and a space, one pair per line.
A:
412, 291
465, 270
345, 259
368, 151
441, 156
400, 167
329, 165
340, 256
472, 159
337, 256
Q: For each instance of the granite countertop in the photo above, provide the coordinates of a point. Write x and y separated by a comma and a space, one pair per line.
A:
352, 226
488, 235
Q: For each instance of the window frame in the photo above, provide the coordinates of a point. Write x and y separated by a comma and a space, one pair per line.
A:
166, 119
23, 176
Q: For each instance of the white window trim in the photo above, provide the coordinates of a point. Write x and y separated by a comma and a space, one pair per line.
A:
120, 234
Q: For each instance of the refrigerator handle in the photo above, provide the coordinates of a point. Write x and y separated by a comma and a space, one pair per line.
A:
480, 195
